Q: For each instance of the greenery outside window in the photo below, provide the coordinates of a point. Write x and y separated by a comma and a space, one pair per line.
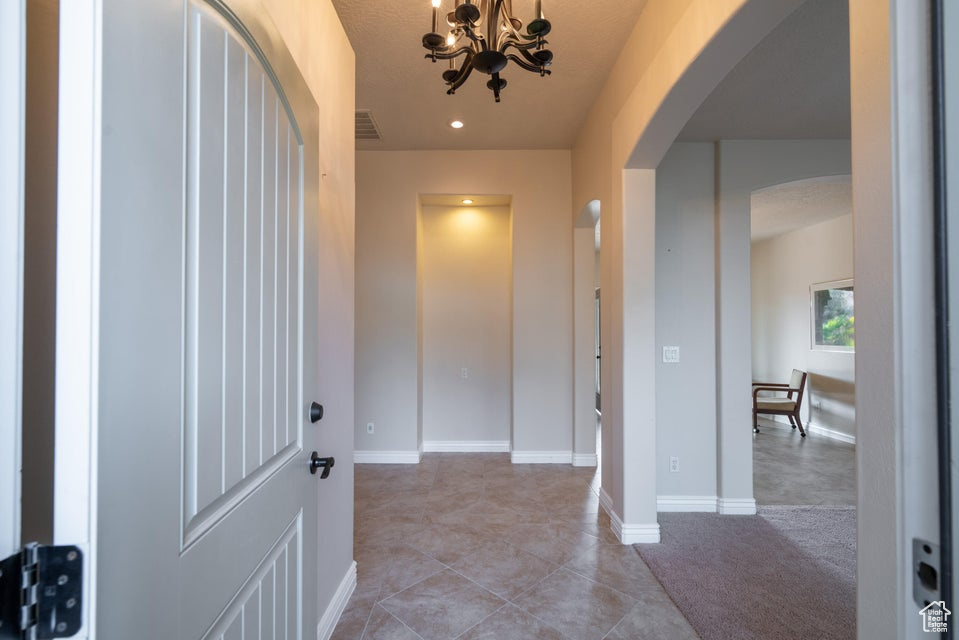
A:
833, 316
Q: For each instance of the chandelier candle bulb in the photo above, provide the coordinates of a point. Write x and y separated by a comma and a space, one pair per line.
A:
538, 10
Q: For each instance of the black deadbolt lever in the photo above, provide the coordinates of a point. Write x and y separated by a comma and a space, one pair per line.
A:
326, 463
316, 412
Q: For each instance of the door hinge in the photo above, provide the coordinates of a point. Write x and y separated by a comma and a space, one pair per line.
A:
41, 593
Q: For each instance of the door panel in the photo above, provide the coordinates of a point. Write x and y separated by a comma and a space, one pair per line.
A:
265, 606
206, 510
229, 151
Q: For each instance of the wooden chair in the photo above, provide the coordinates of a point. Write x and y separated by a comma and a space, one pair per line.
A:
785, 406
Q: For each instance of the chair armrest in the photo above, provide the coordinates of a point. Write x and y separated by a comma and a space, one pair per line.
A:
769, 387
772, 384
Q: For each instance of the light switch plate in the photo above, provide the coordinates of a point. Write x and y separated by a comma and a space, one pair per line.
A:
670, 354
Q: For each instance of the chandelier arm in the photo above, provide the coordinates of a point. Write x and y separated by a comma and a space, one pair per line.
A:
478, 39
517, 45
509, 32
537, 62
465, 72
451, 55
535, 68
529, 58
492, 29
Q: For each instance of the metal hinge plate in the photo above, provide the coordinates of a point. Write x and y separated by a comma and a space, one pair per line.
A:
41, 590
925, 576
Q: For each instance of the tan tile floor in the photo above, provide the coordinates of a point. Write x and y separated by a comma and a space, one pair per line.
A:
815, 470
470, 546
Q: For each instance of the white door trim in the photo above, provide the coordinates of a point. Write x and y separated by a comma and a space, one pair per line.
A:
12, 87
78, 207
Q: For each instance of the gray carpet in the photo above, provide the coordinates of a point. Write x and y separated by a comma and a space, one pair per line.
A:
788, 572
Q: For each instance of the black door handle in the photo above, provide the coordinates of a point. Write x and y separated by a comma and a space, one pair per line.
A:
316, 412
317, 462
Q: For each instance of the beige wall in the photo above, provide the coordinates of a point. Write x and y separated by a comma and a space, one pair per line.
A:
389, 184
685, 317
466, 289
319, 46
783, 268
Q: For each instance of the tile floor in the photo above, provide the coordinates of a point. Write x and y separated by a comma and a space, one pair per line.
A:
788, 469
471, 546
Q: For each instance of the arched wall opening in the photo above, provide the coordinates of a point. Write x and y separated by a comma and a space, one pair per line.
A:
652, 93
675, 56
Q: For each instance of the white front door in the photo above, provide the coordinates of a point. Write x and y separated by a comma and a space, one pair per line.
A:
12, 70
196, 242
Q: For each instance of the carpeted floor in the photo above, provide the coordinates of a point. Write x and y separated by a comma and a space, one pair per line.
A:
762, 577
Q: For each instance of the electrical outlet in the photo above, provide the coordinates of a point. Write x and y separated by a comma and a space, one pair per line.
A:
673, 464
671, 354
464, 373
369, 427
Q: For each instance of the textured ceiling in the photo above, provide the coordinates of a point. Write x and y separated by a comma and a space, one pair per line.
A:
408, 97
794, 205
792, 85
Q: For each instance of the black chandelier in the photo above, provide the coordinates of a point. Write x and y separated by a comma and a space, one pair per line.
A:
485, 32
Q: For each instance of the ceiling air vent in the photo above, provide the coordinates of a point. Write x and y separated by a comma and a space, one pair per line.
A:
366, 126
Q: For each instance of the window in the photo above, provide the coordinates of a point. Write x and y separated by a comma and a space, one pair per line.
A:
833, 316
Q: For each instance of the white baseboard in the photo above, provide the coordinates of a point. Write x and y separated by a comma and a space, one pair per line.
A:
639, 534
687, 504
585, 460
737, 506
542, 457
831, 433
387, 457
466, 446
811, 427
606, 502
336, 607
634, 533
628, 533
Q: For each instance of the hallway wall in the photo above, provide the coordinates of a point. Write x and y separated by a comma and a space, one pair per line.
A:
389, 184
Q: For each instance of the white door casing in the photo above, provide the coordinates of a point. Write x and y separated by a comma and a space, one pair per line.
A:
200, 264
12, 88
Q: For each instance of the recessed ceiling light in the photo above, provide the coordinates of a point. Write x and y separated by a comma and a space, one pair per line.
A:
456, 124
467, 201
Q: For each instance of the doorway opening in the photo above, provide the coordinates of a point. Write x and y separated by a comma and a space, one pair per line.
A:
587, 346
801, 241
